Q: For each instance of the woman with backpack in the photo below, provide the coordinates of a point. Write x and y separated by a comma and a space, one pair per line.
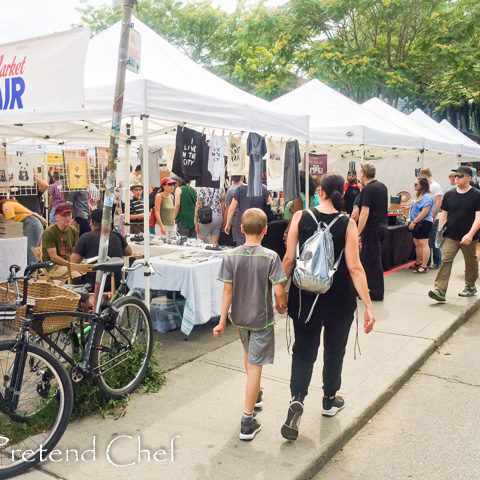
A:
209, 213
332, 310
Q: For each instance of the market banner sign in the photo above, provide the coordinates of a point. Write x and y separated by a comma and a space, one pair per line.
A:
43, 74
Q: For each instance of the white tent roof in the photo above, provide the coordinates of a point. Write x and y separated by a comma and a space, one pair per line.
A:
468, 147
337, 120
432, 140
170, 87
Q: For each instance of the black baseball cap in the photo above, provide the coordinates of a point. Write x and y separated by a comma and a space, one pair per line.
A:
463, 169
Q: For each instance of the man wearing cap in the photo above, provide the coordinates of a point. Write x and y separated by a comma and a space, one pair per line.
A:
87, 246
351, 191
461, 215
136, 209
59, 240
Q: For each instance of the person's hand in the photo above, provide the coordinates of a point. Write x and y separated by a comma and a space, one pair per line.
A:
218, 330
227, 229
163, 230
368, 320
467, 239
411, 226
280, 307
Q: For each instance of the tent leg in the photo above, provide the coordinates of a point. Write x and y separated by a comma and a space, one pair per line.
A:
146, 226
421, 161
126, 183
307, 176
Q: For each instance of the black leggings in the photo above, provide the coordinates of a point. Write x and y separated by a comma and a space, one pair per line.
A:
305, 349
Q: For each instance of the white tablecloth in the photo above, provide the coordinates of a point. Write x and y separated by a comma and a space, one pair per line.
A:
157, 250
13, 251
196, 282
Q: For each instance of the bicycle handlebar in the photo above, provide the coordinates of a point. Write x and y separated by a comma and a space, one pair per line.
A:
35, 266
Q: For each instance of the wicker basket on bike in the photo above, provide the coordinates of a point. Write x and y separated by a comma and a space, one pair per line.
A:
48, 298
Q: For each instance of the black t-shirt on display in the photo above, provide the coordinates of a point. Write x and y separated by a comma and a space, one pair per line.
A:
189, 153
374, 195
461, 208
87, 247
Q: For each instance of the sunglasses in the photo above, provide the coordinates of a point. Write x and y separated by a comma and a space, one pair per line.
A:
170, 184
458, 175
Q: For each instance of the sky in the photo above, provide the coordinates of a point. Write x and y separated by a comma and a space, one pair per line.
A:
31, 18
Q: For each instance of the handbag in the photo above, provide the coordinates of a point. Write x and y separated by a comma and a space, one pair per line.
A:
205, 214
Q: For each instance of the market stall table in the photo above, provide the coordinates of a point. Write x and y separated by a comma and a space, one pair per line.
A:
197, 282
13, 251
397, 247
158, 250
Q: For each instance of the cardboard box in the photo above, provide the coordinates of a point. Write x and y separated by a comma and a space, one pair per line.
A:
10, 229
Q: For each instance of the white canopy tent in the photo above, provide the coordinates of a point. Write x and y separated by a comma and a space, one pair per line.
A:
337, 120
468, 147
170, 89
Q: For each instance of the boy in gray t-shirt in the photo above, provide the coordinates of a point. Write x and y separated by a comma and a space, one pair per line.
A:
249, 272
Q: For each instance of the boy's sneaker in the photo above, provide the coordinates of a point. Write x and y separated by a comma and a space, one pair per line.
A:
437, 295
468, 291
249, 430
332, 405
259, 402
289, 429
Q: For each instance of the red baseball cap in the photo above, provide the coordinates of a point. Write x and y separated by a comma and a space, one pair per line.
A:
167, 180
63, 209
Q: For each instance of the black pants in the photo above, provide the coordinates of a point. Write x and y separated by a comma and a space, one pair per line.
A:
371, 258
83, 225
336, 326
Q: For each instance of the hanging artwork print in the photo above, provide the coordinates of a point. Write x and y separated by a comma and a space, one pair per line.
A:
77, 174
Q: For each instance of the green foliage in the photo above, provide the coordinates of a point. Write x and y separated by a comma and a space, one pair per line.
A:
425, 52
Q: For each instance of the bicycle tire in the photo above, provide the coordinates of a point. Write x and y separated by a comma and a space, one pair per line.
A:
119, 379
41, 368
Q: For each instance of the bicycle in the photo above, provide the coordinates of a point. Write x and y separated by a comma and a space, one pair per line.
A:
36, 395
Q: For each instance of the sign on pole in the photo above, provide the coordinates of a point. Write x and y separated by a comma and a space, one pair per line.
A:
134, 50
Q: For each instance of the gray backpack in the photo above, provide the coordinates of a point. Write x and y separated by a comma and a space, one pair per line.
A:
316, 264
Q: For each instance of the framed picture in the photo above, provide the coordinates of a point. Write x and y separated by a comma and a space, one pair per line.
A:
77, 175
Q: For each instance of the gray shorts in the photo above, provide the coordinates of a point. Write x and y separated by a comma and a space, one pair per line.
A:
212, 228
259, 346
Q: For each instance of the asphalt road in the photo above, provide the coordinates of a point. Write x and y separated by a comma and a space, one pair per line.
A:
430, 430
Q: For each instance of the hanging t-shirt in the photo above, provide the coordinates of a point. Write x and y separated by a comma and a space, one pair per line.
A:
236, 156
291, 177
256, 149
216, 157
189, 153
206, 179
275, 160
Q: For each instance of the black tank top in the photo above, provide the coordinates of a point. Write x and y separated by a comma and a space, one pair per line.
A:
342, 295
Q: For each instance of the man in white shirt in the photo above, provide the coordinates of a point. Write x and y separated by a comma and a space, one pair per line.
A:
437, 194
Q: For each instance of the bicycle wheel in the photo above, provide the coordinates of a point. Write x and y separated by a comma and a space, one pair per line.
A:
31, 430
120, 356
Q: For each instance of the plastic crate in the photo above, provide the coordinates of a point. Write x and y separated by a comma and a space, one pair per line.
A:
165, 316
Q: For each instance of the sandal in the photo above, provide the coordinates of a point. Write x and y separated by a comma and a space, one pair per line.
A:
421, 269
415, 266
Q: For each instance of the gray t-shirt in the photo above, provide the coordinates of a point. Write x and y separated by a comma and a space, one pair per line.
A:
252, 271
80, 204
236, 219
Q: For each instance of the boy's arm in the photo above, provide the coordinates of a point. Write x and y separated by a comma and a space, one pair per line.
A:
226, 302
280, 298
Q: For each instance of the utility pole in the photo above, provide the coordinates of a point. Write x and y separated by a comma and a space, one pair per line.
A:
114, 134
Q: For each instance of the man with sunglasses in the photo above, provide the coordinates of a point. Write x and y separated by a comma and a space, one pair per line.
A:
461, 215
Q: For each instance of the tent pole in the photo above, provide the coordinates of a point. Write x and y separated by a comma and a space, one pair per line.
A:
146, 225
421, 161
109, 199
307, 175
126, 183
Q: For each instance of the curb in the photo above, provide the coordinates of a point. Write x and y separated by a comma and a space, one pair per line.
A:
342, 438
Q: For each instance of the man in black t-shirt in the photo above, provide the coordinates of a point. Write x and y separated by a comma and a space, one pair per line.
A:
372, 228
88, 244
461, 215
352, 189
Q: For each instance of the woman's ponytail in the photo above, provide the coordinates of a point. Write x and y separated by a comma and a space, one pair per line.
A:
337, 201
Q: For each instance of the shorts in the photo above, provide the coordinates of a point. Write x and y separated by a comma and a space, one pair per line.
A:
213, 228
258, 345
422, 230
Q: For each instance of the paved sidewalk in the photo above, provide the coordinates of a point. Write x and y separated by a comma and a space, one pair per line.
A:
202, 401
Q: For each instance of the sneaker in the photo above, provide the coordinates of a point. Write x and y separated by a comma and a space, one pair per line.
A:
259, 402
437, 295
289, 429
468, 291
332, 405
249, 430
434, 266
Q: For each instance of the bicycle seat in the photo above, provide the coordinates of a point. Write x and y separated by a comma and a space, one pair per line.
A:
114, 264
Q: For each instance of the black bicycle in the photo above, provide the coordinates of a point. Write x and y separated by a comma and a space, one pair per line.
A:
36, 394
